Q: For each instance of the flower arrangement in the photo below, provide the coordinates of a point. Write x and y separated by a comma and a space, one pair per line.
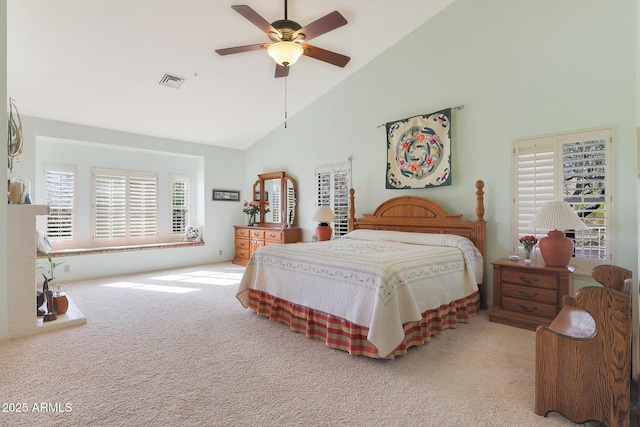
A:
528, 241
252, 208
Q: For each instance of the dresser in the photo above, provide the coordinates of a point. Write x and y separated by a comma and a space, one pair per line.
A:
526, 296
248, 239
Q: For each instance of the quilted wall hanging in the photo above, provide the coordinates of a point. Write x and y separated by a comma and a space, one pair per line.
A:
419, 151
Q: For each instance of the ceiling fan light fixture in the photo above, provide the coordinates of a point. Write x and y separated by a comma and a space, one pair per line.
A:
285, 53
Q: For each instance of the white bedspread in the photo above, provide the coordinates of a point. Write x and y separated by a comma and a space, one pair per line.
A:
376, 279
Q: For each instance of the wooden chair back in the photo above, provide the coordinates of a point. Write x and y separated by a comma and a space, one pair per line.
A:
583, 359
613, 277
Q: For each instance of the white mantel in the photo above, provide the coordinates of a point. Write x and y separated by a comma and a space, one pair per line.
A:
21, 266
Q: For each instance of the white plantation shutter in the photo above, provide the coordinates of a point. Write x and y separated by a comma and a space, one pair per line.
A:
341, 179
60, 197
125, 207
180, 204
110, 206
332, 189
275, 202
573, 167
143, 206
291, 201
584, 160
534, 181
323, 188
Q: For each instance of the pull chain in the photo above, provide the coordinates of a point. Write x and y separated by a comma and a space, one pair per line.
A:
285, 102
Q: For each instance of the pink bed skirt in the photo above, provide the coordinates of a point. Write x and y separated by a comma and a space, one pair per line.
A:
344, 335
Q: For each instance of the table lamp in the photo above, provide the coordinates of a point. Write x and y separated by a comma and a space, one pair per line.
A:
556, 249
324, 215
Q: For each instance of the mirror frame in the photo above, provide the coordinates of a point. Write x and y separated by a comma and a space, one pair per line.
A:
258, 186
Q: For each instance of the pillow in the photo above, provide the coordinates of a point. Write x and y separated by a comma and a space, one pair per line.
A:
193, 234
44, 245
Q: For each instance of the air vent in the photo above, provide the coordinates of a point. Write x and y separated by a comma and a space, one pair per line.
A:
171, 80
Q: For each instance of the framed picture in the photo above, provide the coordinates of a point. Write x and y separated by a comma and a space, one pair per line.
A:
257, 196
226, 195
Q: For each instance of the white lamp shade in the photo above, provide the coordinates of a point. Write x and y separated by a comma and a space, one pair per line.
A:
557, 216
285, 53
324, 214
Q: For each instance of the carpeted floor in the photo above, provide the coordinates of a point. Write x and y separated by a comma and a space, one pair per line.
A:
176, 348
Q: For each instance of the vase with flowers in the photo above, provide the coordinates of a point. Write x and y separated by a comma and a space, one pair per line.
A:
252, 208
528, 242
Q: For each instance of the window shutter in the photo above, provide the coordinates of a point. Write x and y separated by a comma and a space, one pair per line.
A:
332, 189
584, 187
275, 202
571, 167
143, 206
180, 205
110, 206
60, 196
535, 182
323, 188
341, 201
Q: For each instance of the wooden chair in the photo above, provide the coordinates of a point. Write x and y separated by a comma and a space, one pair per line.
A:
583, 358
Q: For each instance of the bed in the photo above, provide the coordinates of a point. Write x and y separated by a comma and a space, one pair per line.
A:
402, 274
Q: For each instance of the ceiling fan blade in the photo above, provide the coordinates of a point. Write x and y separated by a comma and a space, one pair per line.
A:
325, 55
240, 49
281, 71
320, 26
254, 18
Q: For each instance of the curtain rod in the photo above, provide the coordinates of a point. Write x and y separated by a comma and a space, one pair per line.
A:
459, 107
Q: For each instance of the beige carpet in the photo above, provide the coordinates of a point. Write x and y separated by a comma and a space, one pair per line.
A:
150, 355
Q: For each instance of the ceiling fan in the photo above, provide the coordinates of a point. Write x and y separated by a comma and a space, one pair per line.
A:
289, 39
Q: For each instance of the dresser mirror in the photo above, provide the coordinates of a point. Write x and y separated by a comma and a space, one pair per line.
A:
277, 192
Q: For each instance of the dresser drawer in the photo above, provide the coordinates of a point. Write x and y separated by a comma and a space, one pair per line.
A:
256, 234
273, 236
530, 293
519, 277
242, 244
531, 308
242, 233
242, 253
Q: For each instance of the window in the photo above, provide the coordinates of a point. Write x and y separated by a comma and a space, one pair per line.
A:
125, 207
574, 167
60, 196
332, 189
180, 186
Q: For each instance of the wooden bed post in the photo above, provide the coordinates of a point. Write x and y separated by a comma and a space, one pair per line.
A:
481, 240
480, 200
352, 209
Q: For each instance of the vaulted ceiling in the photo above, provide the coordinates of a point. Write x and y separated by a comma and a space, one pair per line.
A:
98, 62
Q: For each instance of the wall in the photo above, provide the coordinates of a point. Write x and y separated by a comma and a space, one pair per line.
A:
4, 310
86, 156
519, 68
215, 167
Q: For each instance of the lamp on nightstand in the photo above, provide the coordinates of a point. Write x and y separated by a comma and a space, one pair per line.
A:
324, 215
556, 249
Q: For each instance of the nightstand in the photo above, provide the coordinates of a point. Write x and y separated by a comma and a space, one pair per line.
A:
528, 295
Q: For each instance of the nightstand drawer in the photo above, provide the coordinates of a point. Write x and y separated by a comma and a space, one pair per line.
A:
530, 307
530, 293
530, 279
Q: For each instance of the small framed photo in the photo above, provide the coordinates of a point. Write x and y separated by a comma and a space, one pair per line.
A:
266, 196
226, 195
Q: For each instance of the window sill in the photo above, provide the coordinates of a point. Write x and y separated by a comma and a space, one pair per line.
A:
112, 249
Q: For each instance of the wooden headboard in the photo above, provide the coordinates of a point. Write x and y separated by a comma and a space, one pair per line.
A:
421, 215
